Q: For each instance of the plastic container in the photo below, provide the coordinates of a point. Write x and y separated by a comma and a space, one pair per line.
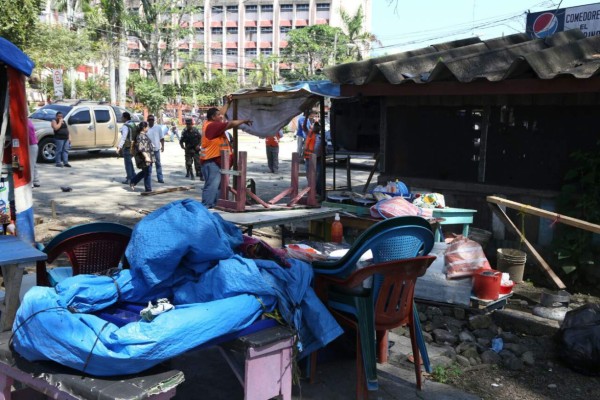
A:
486, 284
511, 261
506, 289
337, 230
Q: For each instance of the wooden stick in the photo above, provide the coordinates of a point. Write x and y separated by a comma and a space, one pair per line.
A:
298, 197
53, 206
280, 196
257, 199
577, 223
167, 190
530, 249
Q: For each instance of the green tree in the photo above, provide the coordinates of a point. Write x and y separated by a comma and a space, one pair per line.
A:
264, 74
191, 74
158, 27
18, 19
314, 47
358, 41
53, 46
211, 92
149, 94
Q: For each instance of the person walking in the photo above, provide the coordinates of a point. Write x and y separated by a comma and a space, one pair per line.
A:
144, 157
155, 134
214, 139
33, 153
190, 142
302, 130
128, 132
61, 140
272, 145
174, 132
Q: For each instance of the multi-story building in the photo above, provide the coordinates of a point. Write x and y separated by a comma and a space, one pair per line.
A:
228, 35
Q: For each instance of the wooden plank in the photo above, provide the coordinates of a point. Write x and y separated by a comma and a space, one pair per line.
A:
257, 199
371, 173
529, 247
298, 197
577, 223
280, 196
167, 190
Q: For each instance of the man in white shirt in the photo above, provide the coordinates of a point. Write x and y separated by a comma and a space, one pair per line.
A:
157, 137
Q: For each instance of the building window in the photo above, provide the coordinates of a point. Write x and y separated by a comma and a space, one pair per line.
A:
232, 52
232, 71
216, 52
287, 7
199, 31
250, 29
232, 9
266, 52
266, 29
200, 52
250, 52
217, 9
285, 29
134, 53
184, 50
302, 7
216, 31
251, 8
266, 8
232, 31
323, 6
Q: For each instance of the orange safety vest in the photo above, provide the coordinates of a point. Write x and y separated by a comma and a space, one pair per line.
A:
211, 148
309, 144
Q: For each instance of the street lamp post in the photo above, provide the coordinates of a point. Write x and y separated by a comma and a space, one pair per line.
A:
179, 111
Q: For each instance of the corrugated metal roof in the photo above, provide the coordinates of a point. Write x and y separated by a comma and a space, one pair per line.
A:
515, 56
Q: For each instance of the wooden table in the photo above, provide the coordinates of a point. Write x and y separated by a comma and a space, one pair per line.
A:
14, 254
453, 216
258, 219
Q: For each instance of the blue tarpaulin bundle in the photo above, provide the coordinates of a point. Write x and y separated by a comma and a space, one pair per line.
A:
184, 253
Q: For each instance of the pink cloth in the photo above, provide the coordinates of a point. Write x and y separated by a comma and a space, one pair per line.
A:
31, 130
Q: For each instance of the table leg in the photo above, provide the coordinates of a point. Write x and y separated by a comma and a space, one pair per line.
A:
465, 232
282, 227
348, 174
13, 275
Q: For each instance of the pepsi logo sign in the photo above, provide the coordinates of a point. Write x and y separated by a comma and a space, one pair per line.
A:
545, 25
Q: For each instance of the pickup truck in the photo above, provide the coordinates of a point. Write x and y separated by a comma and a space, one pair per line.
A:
93, 126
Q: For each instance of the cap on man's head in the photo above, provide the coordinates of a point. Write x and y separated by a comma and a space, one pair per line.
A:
188, 121
151, 117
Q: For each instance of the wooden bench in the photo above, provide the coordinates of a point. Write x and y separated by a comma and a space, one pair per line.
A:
262, 362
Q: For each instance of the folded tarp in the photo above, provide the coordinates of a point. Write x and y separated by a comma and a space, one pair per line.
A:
185, 253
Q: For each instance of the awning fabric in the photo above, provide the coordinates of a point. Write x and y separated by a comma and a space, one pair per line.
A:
270, 109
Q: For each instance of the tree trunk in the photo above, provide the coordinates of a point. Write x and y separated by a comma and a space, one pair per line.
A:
111, 77
123, 70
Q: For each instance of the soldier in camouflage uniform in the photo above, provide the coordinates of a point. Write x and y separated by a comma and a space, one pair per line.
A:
190, 142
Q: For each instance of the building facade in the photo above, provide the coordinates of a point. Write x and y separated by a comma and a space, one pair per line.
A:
228, 35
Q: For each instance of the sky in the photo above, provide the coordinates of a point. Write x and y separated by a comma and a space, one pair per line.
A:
415, 24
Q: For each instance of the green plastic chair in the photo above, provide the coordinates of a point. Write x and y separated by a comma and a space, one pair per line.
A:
91, 248
393, 239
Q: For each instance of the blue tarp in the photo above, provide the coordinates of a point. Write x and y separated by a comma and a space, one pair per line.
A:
13, 56
185, 253
321, 88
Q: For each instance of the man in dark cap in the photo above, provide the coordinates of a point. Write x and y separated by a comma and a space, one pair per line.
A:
191, 141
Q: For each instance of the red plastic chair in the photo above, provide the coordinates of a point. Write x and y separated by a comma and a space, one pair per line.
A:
392, 304
91, 249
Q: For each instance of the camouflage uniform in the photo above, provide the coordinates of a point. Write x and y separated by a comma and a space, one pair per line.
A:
190, 142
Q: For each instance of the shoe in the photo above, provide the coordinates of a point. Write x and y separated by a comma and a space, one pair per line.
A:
132, 187
125, 182
67, 165
187, 175
36, 185
59, 165
161, 181
192, 178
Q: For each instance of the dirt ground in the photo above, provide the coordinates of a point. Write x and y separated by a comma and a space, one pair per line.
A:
98, 195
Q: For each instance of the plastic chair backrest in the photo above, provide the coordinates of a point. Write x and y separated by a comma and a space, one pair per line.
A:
395, 238
89, 250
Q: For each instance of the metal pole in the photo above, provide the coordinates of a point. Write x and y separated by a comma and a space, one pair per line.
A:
323, 150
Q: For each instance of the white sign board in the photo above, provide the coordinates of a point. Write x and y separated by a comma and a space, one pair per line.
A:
57, 78
585, 18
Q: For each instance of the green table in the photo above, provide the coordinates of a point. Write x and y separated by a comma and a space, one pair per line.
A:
453, 216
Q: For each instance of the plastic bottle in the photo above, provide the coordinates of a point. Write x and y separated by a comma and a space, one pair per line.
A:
337, 230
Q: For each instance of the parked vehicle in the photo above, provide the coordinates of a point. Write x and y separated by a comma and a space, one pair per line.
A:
93, 126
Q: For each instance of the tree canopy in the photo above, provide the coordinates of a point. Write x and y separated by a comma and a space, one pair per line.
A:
18, 20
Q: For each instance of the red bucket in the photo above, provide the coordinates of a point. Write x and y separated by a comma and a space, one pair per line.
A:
486, 284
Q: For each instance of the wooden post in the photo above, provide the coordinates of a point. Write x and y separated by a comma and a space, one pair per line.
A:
483, 144
235, 137
223, 188
530, 249
295, 171
311, 199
